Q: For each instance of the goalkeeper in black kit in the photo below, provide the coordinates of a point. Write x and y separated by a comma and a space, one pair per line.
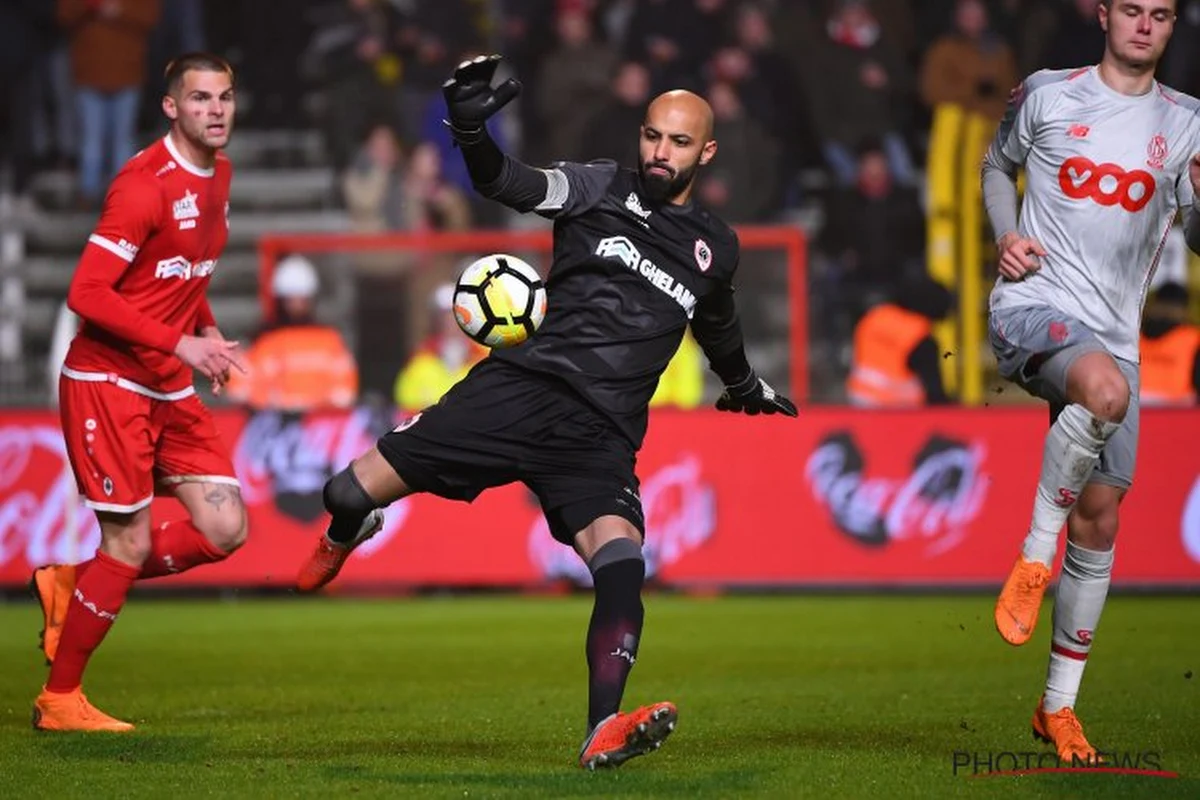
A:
636, 260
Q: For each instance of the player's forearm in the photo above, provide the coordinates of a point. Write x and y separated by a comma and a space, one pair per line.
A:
205, 319
1191, 227
719, 334
500, 177
999, 178
97, 303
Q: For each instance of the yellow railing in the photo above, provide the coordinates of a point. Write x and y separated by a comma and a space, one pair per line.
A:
955, 242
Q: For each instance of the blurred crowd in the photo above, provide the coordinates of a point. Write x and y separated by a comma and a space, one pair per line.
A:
824, 102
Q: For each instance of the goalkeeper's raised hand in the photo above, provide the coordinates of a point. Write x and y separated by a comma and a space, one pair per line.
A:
470, 98
755, 396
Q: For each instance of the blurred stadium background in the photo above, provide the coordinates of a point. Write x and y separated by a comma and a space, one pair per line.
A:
849, 133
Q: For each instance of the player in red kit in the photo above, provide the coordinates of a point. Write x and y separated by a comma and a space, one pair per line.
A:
130, 414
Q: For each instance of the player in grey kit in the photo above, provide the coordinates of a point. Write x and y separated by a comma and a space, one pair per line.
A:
1110, 157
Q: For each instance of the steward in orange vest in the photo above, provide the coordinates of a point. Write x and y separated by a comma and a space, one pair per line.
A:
896, 360
298, 364
1170, 368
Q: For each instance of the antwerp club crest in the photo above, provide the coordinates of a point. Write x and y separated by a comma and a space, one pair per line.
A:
1156, 151
703, 255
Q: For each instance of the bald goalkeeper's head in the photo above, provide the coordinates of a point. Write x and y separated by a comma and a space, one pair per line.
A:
676, 139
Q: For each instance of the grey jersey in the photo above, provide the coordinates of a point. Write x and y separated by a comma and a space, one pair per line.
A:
1105, 174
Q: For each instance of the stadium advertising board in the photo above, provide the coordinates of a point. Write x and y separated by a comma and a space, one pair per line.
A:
837, 497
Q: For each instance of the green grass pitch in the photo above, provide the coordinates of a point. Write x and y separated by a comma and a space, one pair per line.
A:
789, 696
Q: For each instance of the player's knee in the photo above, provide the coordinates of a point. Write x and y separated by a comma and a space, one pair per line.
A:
344, 496
228, 526
622, 548
126, 539
1107, 396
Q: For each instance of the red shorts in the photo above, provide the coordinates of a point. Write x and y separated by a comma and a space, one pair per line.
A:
122, 439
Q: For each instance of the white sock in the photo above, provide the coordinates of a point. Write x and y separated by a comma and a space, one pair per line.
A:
1082, 588
1073, 446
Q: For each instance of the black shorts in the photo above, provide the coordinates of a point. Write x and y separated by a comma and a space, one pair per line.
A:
501, 424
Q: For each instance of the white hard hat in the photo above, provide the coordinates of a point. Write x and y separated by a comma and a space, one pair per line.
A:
443, 297
295, 276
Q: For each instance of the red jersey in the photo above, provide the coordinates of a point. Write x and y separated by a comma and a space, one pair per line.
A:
141, 281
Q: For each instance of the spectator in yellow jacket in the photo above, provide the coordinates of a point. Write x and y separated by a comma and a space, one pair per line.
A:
440, 361
682, 384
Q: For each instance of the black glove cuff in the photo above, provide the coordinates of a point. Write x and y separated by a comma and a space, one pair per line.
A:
744, 387
467, 136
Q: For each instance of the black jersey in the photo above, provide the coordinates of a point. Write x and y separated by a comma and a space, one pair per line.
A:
627, 277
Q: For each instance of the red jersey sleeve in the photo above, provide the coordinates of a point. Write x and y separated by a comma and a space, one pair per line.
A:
131, 214
205, 318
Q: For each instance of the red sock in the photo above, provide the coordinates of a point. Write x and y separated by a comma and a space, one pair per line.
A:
178, 546
98, 598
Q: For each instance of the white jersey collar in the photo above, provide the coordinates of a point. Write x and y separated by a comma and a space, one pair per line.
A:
183, 162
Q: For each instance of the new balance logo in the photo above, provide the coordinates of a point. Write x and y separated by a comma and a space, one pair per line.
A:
634, 204
623, 250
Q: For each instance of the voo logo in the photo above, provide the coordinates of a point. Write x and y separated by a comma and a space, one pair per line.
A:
1106, 184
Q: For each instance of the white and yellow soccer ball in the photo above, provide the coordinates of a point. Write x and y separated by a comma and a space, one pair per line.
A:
499, 300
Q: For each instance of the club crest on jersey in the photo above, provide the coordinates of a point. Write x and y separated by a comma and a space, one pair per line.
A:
703, 255
1156, 151
634, 204
186, 210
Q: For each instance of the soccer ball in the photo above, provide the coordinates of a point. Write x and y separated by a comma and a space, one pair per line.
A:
499, 300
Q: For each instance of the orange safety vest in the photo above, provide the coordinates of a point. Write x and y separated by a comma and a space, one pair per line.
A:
883, 340
1167, 363
297, 368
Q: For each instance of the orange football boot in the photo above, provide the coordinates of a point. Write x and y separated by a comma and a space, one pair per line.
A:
620, 737
72, 712
1063, 730
327, 560
1020, 600
53, 586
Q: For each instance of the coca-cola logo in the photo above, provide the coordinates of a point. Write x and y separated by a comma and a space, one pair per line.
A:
286, 458
680, 509
42, 519
933, 503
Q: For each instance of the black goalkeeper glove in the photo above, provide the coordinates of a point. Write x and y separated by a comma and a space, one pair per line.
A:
755, 396
471, 100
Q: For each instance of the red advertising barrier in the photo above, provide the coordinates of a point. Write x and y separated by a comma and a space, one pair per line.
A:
836, 497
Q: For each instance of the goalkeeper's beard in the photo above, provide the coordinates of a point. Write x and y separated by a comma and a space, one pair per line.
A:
664, 188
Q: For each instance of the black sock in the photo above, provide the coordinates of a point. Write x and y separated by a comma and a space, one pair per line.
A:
348, 505
613, 634
343, 527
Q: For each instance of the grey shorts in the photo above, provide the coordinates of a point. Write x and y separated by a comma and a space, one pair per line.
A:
1034, 348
